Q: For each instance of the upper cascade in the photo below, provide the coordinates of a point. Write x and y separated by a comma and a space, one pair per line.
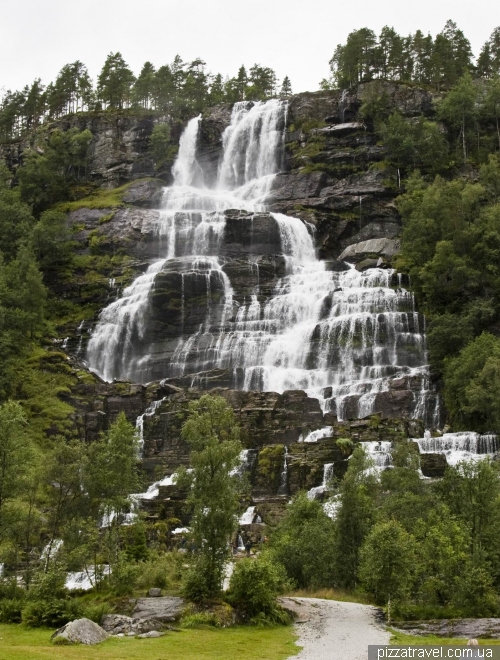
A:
241, 290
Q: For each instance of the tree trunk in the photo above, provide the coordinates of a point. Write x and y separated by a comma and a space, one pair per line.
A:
463, 140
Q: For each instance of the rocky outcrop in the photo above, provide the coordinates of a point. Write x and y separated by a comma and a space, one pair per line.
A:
376, 250
119, 151
214, 122
80, 631
458, 628
433, 465
147, 193
149, 615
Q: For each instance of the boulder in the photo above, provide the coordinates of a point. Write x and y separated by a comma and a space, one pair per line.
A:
164, 609
386, 248
154, 593
117, 624
150, 634
80, 631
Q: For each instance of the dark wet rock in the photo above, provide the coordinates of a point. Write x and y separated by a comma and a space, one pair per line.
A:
250, 233
212, 126
433, 465
336, 266
80, 631
367, 183
298, 185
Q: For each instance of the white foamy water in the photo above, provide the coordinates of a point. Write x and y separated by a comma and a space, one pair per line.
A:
380, 454
461, 446
314, 436
343, 337
319, 490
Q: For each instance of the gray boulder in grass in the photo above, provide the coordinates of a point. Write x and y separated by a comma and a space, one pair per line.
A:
80, 631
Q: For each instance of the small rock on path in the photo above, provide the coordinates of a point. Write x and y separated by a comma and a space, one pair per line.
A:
332, 629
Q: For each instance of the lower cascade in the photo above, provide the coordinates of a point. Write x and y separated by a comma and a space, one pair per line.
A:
345, 337
460, 446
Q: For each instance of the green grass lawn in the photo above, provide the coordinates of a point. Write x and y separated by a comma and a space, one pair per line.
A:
20, 643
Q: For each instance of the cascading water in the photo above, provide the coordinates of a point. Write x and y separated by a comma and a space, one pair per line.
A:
313, 493
380, 453
461, 446
343, 337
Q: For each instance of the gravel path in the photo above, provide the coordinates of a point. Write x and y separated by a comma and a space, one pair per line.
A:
331, 630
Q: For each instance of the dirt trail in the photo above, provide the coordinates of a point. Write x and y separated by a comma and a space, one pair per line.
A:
331, 630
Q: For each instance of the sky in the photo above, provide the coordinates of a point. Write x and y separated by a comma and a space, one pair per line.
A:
294, 37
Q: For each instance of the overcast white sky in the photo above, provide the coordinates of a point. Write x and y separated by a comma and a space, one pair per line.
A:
295, 37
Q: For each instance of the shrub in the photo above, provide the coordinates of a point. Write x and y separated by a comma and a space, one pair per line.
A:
123, 579
10, 610
198, 586
201, 619
253, 588
45, 613
160, 570
96, 611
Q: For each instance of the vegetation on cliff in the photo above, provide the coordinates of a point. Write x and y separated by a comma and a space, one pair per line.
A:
178, 89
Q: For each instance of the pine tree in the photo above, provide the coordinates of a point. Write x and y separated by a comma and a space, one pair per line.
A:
115, 82
286, 88
143, 91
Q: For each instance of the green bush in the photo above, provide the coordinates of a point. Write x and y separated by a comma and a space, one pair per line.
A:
198, 586
96, 611
10, 610
253, 588
201, 619
45, 613
123, 579
160, 570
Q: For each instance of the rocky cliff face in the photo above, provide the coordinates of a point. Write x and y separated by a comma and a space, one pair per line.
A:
119, 151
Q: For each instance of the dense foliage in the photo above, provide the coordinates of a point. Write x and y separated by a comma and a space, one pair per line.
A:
429, 548
418, 58
178, 89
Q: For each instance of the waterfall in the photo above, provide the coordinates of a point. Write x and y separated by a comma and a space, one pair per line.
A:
346, 338
283, 487
461, 446
314, 436
319, 490
380, 454
139, 422
247, 517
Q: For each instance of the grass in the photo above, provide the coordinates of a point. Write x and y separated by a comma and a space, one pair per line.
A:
102, 198
20, 643
332, 594
402, 639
